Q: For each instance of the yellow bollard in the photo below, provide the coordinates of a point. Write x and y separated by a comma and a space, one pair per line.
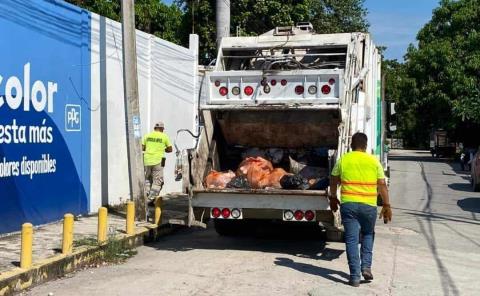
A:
102, 225
158, 211
130, 218
26, 248
67, 244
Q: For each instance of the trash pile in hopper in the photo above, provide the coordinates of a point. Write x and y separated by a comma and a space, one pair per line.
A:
259, 173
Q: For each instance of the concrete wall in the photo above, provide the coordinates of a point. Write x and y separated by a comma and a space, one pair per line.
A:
167, 80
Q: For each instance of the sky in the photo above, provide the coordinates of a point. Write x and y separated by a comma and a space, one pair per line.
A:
395, 23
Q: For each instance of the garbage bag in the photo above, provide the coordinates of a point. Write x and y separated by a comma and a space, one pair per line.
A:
294, 182
306, 171
258, 164
272, 179
239, 182
218, 180
320, 184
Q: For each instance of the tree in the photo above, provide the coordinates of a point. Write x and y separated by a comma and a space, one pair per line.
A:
439, 84
253, 17
151, 16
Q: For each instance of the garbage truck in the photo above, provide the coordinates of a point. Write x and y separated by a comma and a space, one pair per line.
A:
293, 93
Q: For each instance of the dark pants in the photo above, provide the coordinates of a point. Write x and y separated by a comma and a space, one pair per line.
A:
358, 218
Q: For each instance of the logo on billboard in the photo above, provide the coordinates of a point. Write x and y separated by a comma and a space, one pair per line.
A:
73, 118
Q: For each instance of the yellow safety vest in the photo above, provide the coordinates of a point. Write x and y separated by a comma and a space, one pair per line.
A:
359, 173
155, 144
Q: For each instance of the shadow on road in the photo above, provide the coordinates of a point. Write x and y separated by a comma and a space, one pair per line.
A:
466, 187
326, 273
266, 238
470, 204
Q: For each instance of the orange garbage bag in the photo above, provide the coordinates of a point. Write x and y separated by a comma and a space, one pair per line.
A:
218, 180
272, 179
259, 163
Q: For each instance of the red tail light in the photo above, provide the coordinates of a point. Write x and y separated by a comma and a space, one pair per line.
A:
309, 215
298, 215
283, 82
216, 212
331, 81
326, 89
226, 213
299, 89
248, 90
273, 82
223, 91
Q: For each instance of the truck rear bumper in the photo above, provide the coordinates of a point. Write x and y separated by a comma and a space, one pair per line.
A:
261, 199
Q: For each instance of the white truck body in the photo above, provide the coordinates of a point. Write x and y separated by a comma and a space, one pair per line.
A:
289, 88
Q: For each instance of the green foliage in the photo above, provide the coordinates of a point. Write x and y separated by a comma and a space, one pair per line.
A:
439, 84
151, 16
253, 17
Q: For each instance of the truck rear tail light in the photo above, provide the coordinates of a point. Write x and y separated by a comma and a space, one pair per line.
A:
266, 89
273, 82
309, 215
331, 81
288, 215
298, 215
236, 213
312, 89
283, 82
226, 213
326, 89
217, 83
216, 212
299, 89
248, 90
223, 91
236, 91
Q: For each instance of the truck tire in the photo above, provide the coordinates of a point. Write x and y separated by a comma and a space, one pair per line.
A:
335, 236
227, 227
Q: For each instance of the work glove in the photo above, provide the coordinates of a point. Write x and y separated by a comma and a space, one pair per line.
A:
334, 202
386, 213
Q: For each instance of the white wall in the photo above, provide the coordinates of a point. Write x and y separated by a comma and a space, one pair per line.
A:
167, 81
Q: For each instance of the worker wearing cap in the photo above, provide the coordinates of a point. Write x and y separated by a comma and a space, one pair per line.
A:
154, 145
360, 175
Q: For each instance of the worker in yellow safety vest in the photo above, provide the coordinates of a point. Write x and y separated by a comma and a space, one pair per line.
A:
359, 175
154, 145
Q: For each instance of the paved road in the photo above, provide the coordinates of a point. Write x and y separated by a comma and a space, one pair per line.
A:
432, 248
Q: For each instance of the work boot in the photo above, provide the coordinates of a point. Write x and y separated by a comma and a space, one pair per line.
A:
354, 282
367, 274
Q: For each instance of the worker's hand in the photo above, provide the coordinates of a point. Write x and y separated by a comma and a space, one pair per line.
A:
386, 213
334, 202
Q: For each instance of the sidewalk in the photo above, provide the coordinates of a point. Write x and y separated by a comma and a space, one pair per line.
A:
47, 239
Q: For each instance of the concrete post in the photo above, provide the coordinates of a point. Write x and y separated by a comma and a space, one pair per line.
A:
132, 108
223, 20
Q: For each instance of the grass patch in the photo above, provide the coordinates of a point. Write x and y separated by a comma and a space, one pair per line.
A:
85, 241
114, 249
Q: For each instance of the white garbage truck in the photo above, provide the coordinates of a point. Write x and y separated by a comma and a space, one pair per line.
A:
292, 93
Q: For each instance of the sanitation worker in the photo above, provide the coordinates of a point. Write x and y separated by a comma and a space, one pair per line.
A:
154, 145
360, 175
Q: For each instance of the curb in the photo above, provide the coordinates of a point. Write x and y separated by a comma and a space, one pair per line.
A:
19, 279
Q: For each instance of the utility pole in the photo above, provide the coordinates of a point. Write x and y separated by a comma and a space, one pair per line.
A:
132, 110
223, 20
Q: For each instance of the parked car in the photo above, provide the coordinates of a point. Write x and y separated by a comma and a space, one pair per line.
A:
475, 170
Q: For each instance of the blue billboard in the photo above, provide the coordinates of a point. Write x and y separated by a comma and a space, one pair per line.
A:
44, 111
